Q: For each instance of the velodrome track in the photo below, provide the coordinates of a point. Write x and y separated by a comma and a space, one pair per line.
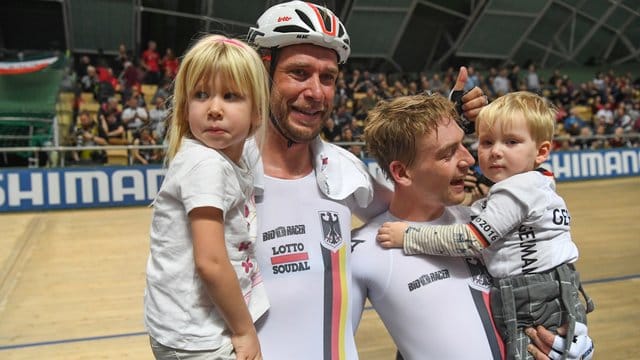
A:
71, 282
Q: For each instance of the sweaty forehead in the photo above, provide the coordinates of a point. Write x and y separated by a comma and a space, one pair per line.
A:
309, 54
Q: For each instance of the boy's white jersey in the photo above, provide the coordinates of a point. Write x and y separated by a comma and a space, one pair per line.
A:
434, 307
527, 224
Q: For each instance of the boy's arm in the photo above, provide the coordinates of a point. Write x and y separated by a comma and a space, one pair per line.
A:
213, 265
448, 240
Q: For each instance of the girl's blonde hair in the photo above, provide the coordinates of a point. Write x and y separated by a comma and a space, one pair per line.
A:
240, 68
536, 110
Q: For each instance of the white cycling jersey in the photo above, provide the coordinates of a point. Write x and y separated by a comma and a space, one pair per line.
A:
434, 307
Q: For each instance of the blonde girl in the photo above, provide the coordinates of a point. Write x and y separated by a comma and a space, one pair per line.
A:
204, 290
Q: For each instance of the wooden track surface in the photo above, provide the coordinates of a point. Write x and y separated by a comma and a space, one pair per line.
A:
71, 282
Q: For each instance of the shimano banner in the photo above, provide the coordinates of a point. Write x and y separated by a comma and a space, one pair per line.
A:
49, 189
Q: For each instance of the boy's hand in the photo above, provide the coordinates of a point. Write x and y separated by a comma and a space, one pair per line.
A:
391, 234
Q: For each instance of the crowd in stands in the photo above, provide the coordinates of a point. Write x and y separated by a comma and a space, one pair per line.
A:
132, 91
601, 113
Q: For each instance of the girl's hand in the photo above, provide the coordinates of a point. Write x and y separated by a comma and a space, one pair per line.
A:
391, 234
246, 346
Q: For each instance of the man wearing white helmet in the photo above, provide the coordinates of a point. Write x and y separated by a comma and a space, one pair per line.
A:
309, 189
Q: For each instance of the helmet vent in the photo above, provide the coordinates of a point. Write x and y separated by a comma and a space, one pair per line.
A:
290, 29
305, 19
326, 18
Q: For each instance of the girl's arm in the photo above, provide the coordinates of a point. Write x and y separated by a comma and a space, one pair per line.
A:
213, 265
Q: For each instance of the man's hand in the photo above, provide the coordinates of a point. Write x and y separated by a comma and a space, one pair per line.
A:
391, 234
472, 101
547, 345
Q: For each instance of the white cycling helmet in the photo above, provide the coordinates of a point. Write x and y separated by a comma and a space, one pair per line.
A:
300, 22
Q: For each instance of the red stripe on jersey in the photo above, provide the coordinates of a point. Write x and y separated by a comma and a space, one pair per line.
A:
481, 239
289, 258
487, 303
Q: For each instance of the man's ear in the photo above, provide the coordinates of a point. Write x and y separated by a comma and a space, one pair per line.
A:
398, 172
544, 149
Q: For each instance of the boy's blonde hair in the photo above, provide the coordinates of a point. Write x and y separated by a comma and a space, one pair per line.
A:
241, 69
394, 126
536, 110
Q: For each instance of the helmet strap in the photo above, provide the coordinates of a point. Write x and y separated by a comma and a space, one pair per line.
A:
275, 123
271, 55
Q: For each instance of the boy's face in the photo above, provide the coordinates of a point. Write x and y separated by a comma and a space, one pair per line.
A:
507, 148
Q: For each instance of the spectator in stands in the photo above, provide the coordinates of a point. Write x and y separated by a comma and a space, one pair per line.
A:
514, 77
145, 156
366, 103
619, 140
112, 105
435, 83
604, 116
150, 61
573, 124
158, 118
89, 82
533, 80
86, 133
112, 129
130, 78
353, 80
356, 150
399, 88
120, 59
385, 92
501, 84
347, 136
342, 115
357, 128
331, 132
170, 63
107, 86
164, 90
634, 112
600, 141
81, 67
621, 118
134, 116
585, 140
342, 93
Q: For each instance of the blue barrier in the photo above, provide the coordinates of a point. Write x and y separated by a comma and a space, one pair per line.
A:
112, 186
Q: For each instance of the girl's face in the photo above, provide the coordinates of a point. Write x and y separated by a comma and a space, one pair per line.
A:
508, 149
220, 117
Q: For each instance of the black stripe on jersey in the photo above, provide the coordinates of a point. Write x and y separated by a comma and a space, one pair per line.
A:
487, 323
328, 302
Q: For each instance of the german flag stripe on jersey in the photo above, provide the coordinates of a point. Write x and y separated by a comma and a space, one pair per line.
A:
336, 302
481, 300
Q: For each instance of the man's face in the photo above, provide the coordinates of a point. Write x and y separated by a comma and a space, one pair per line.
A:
303, 90
440, 166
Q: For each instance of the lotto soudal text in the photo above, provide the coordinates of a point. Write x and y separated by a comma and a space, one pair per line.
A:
289, 257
